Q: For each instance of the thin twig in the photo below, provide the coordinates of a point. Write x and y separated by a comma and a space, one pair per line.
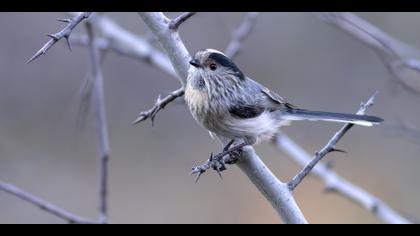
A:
98, 104
159, 105
44, 205
175, 23
64, 33
240, 34
329, 147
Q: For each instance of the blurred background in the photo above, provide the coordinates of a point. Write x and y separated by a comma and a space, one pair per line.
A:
312, 64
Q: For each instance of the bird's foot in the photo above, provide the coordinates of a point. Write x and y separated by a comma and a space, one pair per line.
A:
218, 162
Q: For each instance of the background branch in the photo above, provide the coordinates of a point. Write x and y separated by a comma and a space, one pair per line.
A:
240, 34
392, 52
64, 33
276, 192
44, 205
334, 182
98, 104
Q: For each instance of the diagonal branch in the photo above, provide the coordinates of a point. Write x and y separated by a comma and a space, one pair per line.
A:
64, 33
44, 205
335, 183
276, 192
391, 51
175, 23
159, 105
329, 147
240, 34
98, 104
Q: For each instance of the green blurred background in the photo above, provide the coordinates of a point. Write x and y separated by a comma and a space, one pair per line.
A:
311, 63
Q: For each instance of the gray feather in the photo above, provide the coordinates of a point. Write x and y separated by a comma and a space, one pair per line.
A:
301, 114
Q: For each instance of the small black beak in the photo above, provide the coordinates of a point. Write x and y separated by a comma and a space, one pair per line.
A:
195, 63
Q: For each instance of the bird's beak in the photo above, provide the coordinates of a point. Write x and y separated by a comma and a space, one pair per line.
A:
195, 63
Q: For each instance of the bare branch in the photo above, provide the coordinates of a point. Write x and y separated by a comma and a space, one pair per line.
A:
276, 192
240, 34
404, 68
159, 105
175, 23
403, 128
64, 33
98, 103
44, 205
337, 184
329, 147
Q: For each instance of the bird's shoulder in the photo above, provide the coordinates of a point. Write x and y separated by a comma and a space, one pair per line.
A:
271, 96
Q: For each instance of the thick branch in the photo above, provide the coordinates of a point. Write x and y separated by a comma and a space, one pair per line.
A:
172, 44
44, 205
64, 33
329, 147
98, 104
240, 34
276, 192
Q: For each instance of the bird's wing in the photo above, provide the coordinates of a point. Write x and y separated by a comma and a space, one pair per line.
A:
274, 97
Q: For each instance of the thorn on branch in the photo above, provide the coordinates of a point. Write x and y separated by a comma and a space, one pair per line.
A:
64, 33
329, 147
175, 23
159, 105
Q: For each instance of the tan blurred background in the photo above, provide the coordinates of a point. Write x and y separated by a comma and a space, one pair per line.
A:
309, 62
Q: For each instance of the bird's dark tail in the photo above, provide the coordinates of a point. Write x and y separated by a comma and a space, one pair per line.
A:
302, 114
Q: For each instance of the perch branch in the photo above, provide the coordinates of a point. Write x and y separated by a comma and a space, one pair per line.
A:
64, 33
329, 147
98, 104
276, 192
44, 205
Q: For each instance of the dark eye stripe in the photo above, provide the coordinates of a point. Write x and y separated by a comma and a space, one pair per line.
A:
226, 62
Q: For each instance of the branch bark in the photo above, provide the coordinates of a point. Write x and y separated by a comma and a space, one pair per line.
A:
404, 68
333, 181
98, 104
64, 33
329, 147
240, 34
44, 205
160, 104
276, 192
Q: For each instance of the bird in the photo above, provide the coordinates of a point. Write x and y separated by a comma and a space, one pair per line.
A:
238, 109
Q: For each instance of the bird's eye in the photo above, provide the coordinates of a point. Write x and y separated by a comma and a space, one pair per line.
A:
213, 66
